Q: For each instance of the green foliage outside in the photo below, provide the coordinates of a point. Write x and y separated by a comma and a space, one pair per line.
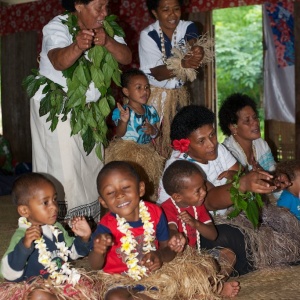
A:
239, 53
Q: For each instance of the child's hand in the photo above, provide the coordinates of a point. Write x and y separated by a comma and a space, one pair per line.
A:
102, 242
281, 181
188, 219
124, 113
177, 242
149, 129
152, 261
81, 228
33, 233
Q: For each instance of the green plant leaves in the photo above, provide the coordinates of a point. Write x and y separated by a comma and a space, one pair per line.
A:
86, 119
248, 202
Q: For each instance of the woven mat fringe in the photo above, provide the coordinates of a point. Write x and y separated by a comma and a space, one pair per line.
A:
276, 242
147, 162
189, 276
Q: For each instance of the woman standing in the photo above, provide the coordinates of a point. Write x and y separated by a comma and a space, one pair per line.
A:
155, 48
59, 153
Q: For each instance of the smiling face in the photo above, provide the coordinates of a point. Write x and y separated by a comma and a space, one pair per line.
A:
193, 191
91, 16
247, 125
203, 144
120, 192
168, 13
42, 207
137, 90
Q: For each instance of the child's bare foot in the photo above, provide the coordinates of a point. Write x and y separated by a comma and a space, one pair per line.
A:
230, 289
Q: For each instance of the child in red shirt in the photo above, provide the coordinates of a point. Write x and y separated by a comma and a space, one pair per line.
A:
186, 213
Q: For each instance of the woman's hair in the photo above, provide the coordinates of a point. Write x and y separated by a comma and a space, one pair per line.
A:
26, 185
70, 4
190, 118
121, 166
175, 175
289, 167
153, 5
229, 109
128, 74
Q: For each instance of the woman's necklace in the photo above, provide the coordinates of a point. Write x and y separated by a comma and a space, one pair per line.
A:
244, 154
184, 226
162, 43
59, 274
129, 243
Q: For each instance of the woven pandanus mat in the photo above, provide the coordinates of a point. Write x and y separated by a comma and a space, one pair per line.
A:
271, 284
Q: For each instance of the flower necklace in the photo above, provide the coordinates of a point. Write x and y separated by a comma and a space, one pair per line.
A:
129, 243
162, 43
184, 226
65, 273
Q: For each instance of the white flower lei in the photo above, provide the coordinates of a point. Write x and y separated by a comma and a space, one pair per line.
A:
184, 227
129, 243
65, 273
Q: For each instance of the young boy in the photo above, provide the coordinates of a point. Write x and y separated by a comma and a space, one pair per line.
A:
186, 213
133, 237
41, 246
289, 198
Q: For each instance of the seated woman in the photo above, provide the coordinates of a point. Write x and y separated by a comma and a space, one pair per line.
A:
193, 135
239, 121
238, 118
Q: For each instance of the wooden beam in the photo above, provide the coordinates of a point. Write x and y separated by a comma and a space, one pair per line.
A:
297, 76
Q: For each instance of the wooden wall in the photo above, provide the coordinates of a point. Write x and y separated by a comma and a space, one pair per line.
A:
18, 57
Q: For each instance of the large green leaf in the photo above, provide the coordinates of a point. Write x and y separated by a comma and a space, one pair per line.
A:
86, 119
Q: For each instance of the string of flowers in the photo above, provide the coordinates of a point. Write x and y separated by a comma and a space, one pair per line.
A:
129, 243
59, 275
184, 226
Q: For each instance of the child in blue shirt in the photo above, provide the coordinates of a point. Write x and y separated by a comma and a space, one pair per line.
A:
136, 121
289, 198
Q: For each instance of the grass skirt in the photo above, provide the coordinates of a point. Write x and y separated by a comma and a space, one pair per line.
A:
86, 288
148, 163
167, 102
276, 242
189, 276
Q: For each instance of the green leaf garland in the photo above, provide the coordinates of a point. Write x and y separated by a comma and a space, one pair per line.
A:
86, 119
248, 202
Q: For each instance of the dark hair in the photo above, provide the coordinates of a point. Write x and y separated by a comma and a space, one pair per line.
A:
128, 74
229, 109
70, 4
26, 185
289, 167
188, 119
153, 5
176, 173
116, 165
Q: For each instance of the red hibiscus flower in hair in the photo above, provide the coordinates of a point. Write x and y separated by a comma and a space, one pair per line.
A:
181, 145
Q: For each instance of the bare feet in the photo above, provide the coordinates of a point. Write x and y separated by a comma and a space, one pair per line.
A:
230, 289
